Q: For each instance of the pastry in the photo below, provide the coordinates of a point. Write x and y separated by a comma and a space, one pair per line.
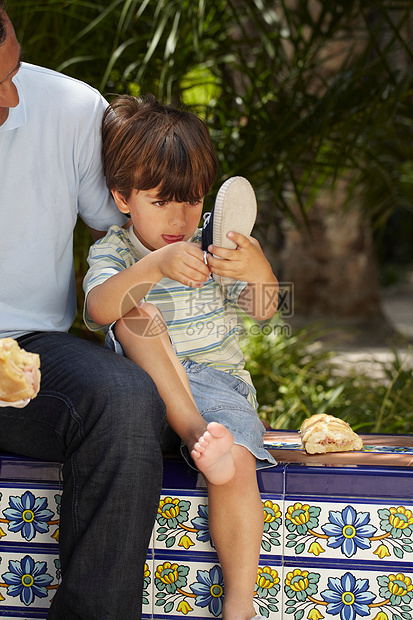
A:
324, 433
19, 372
319, 417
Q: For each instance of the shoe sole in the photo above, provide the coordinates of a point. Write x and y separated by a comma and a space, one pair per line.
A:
235, 210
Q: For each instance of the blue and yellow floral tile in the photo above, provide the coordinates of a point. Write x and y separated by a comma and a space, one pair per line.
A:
339, 530
29, 514
182, 522
182, 525
338, 541
273, 534
346, 593
28, 580
194, 587
147, 595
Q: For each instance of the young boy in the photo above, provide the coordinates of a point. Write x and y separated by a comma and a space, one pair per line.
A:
150, 285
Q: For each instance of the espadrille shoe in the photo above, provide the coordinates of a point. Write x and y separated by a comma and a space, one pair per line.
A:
235, 209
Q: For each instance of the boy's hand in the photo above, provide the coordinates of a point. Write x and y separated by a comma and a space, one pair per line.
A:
183, 262
246, 263
259, 299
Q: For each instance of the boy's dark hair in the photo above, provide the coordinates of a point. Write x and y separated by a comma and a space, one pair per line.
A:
2, 21
147, 145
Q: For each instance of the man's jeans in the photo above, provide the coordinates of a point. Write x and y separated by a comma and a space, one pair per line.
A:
101, 416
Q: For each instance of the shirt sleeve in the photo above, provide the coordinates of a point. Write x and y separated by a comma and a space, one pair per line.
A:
107, 257
235, 290
96, 205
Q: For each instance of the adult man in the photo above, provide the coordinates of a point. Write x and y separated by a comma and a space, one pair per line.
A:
96, 412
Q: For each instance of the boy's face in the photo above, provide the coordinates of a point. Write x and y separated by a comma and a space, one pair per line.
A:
158, 223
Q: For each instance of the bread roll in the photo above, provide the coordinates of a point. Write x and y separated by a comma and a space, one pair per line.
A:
324, 433
320, 417
19, 372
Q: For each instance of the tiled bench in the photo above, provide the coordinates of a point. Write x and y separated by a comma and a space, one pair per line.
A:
338, 540
29, 530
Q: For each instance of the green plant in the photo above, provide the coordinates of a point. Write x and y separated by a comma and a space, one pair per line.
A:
296, 377
295, 93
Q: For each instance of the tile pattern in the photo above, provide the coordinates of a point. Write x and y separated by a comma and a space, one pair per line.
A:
29, 532
349, 530
344, 554
194, 586
315, 592
28, 579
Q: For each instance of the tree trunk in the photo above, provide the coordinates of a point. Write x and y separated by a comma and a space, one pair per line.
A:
331, 261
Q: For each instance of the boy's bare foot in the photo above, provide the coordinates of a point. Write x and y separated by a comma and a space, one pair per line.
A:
212, 454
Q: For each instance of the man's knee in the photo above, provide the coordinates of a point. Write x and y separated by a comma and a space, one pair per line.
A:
142, 397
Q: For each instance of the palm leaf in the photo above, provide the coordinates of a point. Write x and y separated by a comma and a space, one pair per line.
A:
300, 98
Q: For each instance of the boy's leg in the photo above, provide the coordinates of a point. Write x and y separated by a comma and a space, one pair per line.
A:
238, 547
154, 353
102, 417
209, 445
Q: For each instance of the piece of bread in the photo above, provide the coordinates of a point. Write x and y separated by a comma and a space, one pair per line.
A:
323, 433
19, 372
319, 417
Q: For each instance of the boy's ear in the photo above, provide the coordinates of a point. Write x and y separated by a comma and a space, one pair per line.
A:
121, 201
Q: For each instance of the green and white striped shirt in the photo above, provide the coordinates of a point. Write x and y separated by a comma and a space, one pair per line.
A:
202, 322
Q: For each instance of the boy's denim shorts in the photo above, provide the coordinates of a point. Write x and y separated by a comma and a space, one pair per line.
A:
220, 397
